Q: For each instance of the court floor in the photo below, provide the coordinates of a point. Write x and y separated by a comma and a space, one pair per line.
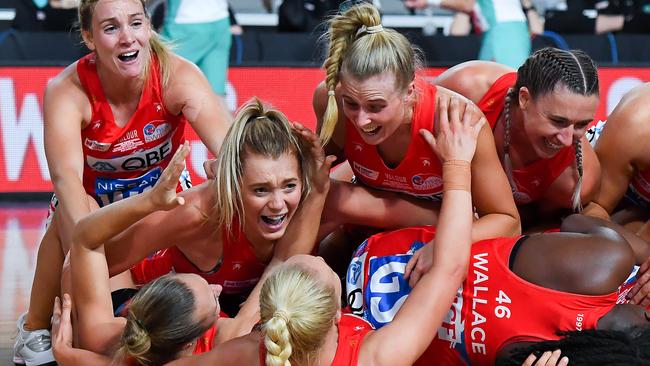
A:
21, 228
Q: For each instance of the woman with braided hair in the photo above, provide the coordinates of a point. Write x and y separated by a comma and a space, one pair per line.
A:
539, 115
369, 111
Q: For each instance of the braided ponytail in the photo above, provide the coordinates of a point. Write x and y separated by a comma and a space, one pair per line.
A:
361, 47
342, 32
296, 312
576, 201
277, 340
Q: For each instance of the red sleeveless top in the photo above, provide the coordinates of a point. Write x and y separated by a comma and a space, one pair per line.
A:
531, 181
419, 173
238, 272
122, 161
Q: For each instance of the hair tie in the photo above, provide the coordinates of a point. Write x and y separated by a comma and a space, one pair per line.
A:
282, 315
370, 30
260, 117
330, 93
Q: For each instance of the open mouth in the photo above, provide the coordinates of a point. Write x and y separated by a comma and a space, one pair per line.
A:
274, 221
551, 145
128, 56
373, 130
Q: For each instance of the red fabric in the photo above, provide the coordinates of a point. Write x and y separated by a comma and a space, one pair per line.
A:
240, 270
204, 343
352, 330
473, 332
640, 184
419, 173
121, 161
531, 181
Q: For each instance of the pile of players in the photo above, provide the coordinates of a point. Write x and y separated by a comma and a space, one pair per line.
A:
421, 220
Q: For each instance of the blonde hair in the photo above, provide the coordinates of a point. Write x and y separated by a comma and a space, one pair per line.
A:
159, 48
296, 311
262, 130
160, 322
360, 47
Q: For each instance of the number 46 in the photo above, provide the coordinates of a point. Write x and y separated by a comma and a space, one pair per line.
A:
502, 311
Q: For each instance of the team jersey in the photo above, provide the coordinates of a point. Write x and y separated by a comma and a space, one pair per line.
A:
122, 161
419, 173
532, 181
492, 307
238, 272
352, 330
204, 344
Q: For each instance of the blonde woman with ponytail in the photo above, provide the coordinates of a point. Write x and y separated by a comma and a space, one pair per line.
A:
112, 121
539, 115
369, 109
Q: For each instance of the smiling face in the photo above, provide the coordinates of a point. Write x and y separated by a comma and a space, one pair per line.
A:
119, 35
375, 106
271, 190
556, 120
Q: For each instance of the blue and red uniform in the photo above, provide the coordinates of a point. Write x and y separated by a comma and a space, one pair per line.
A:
492, 308
122, 161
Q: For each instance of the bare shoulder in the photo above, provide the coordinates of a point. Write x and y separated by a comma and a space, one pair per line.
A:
65, 98
472, 78
632, 111
200, 201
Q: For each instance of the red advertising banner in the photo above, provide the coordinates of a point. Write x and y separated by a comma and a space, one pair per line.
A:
23, 167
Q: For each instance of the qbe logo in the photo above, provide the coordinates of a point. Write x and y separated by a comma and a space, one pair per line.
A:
138, 160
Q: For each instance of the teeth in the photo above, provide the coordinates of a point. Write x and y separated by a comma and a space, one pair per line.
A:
370, 130
273, 220
129, 54
552, 145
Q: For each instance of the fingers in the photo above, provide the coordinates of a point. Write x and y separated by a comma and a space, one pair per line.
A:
67, 307
428, 137
443, 113
530, 360
411, 264
640, 289
415, 277
329, 160
56, 310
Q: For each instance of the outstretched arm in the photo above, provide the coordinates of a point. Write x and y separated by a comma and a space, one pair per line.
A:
455, 145
97, 329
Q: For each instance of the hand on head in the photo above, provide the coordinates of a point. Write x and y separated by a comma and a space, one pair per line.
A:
322, 164
547, 358
459, 127
163, 194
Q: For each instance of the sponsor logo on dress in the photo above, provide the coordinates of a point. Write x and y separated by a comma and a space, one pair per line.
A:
109, 190
426, 182
155, 130
138, 160
364, 172
96, 145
